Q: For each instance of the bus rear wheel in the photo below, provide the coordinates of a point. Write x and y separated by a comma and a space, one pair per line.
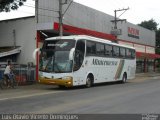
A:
124, 78
88, 82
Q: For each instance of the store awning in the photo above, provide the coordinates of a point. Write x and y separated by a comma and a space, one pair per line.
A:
147, 55
6, 51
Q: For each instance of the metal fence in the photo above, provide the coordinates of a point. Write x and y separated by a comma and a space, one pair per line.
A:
24, 74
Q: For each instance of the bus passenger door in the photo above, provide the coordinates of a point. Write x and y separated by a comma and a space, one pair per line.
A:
78, 67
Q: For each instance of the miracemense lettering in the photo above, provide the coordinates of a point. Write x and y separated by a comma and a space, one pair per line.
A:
104, 62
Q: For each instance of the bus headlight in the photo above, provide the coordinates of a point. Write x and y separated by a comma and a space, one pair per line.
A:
67, 78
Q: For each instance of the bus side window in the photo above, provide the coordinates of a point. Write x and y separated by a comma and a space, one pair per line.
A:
99, 49
79, 54
128, 53
91, 48
108, 50
133, 54
122, 52
115, 51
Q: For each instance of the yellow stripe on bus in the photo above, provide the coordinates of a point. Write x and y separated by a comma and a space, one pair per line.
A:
119, 69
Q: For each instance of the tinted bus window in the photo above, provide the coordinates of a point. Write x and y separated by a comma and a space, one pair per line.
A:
133, 54
79, 54
115, 51
128, 53
108, 50
122, 52
99, 49
91, 48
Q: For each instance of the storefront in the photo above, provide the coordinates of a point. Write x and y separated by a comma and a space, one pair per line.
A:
82, 20
30, 32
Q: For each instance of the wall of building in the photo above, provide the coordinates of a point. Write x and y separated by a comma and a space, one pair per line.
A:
77, 15
138, 34
25, 33
84, 17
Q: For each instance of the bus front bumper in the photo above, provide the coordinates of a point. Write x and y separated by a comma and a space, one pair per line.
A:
62, 82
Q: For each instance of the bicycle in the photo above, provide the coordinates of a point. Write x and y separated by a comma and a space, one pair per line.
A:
3, 83
11, 82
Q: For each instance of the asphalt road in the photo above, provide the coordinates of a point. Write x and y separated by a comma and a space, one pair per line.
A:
136, 96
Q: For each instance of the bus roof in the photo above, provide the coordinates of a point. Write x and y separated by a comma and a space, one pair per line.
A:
77, 37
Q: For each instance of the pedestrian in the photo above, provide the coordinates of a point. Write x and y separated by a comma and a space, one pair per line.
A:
7, 73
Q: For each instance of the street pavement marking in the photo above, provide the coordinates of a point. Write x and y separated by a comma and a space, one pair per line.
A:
25, 96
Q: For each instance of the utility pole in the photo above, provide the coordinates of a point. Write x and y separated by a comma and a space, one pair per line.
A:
14, 38
36, 10
116, 20
60, 18
61, 14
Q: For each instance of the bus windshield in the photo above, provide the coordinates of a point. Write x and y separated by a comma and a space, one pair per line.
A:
55, 56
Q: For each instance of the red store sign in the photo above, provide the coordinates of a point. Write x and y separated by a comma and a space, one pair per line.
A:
132, 32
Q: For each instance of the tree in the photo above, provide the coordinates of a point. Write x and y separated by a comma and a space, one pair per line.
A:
158, 41
151, 24
8, 5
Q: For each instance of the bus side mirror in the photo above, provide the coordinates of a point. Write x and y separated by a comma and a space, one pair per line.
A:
71, 54
35, 52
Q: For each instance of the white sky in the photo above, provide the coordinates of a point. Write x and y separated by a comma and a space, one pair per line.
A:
21, 12
139, 11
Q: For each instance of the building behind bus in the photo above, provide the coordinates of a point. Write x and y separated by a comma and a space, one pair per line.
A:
20, 36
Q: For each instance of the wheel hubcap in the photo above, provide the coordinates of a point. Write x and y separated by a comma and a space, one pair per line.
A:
88, 82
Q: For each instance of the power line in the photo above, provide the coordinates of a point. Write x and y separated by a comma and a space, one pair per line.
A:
115, 21
38, 14
41, 8
61, 15
67, 8
116, 31
38, 7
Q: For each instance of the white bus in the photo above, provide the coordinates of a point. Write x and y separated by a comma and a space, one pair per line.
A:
83, 60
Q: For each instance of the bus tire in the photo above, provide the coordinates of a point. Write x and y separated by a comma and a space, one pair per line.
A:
89, 81
124, 78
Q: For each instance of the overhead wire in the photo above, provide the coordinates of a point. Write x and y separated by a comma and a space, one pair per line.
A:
41, 8
38, 14
46, 9
29, 5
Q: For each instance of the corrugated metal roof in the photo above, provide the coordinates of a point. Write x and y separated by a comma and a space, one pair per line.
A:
5, 51
20, 18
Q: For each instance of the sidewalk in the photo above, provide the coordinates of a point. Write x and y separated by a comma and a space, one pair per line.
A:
149, 75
